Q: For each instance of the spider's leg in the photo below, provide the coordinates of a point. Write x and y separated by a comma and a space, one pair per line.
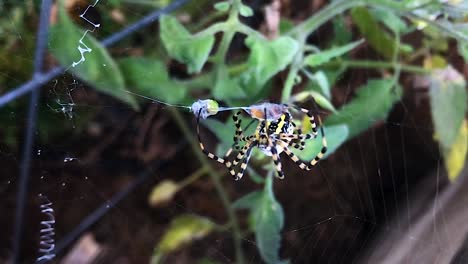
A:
202, 147
300, 144
299, 162
312, 122
238, 135
243, 151
276, 159
244, 163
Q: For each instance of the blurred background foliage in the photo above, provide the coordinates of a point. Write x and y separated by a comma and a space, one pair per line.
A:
241, 53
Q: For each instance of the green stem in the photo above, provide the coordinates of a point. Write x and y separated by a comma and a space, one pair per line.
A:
215, 178
296, 65
301, 32
193, 177
201, 81
377, 64
325, 14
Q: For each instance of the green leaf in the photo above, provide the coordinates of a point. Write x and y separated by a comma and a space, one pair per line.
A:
448, 104
222, 6
248, 201
184, 47
389, 19
336, 135
226, 88
342, 34
319, 99
317, 59
377, 37
224, 132
149, 78
245, 11
87, 58
373, 102
319, 82
322, 81
182, 230
269, 220
266, 59
285, 25
255, 176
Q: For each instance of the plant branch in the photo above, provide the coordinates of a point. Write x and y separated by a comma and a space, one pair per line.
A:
215, 178
377, 64
322, 16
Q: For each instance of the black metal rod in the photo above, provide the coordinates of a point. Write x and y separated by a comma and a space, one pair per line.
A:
22, 194
39, 80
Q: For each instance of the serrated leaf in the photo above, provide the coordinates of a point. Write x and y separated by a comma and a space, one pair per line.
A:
336, 135
163, 192
183, 230
184, 47
222, 6
455, 156
266, 59
268, 221
316, 59
448, 104
377, 37
245, 11
149, 78
225, 87
87, 58
373, 102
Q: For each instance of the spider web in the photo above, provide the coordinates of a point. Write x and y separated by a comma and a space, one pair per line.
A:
89, 148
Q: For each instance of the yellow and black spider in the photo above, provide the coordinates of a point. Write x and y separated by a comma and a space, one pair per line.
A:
275, 133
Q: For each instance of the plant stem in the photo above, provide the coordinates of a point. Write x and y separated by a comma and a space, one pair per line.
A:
301, 32
378, 64
193, 177
325, 14
215, 178
294, 69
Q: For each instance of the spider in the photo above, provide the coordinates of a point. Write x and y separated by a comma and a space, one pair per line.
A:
275, 133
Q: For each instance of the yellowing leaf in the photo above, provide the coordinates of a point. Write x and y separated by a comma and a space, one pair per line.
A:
434, 62
448, 104
455, 157
182, 230
163, 192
